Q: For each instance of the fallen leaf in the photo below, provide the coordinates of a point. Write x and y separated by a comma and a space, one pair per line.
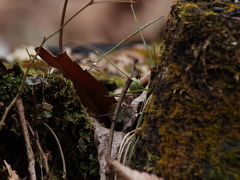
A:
101, 135
93, 94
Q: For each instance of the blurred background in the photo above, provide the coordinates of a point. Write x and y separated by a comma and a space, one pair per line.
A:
26, 22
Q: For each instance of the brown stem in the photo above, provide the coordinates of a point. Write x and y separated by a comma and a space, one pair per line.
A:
30, 154
114, 117
37, 141
61, 24
61, 151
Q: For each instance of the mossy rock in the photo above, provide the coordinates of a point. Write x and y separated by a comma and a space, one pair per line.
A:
52, 101
192, 122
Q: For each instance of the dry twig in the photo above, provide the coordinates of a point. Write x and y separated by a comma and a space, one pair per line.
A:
45, 158
61, 151
61, 23
30, 154
114, 117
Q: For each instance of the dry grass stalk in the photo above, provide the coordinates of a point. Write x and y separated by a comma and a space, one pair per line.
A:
30, 154
44, 156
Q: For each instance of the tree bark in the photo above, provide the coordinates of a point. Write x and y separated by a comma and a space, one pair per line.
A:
191, 125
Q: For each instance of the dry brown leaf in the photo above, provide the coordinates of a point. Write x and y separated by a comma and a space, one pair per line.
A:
93, 94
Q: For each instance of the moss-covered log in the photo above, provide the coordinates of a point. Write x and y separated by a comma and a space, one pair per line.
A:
50, 100
192, 121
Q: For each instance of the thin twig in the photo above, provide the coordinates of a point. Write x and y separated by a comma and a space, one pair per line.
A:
70, 19
129, 37
30, 154
138, 26
37, 141
114, 65
91, 2
60, 149
140, 32
114, 117
61, 23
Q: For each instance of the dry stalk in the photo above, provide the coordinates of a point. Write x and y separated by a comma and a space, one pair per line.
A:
30, 154
61, 23
37, 141
114, 117
140, 33
61, 151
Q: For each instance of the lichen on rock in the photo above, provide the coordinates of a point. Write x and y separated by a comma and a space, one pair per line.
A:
191, 124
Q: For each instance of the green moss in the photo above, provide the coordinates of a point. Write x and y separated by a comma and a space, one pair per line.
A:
210, 13
56, 104
186, 9
157, 51
191, 124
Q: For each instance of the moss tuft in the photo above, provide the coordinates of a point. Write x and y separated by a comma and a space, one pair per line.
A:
54, 102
